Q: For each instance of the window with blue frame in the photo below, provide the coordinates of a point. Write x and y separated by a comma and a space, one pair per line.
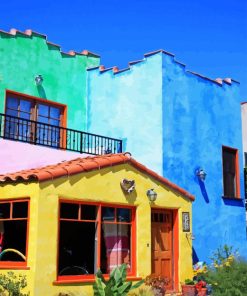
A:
33, 120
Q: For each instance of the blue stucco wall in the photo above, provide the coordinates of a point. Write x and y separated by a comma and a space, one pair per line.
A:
199, 117
119, 105
175, 122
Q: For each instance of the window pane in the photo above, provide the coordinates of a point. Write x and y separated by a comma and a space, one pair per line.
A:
12, 112
108, 214
123, 215
25, 105
12, 103
20, 209
14, 239
88, 212
229, 172
77, 248
69, 211
55, 112
43, 110
24, 115
115, 246
43, 119
54, 122
4, 210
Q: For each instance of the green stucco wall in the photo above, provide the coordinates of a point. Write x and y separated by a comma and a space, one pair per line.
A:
22, 57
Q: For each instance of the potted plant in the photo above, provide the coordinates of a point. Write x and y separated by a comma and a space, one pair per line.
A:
158, 284
188, 288
201, 288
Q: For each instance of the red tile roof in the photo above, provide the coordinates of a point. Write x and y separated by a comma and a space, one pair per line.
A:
80, 165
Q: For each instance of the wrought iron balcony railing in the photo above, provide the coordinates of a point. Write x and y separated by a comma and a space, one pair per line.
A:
33, 132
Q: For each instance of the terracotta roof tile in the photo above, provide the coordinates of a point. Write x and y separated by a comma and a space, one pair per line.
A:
80, 165
116, 70
29, 33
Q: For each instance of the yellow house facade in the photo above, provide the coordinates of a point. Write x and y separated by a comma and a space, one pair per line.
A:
60, 223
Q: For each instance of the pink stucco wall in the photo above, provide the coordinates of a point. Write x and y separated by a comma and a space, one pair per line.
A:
16, 156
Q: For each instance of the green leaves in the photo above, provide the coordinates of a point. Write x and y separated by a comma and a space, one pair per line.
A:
228, 276
13, 283
116, 285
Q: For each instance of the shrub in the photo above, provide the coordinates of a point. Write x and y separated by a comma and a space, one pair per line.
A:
229, 280
228, 275
13, 284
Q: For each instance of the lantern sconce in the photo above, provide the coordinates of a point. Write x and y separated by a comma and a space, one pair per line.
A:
201, 174
39, 79
152, 195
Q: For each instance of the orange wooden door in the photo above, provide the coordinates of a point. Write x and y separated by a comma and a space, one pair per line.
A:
162, 245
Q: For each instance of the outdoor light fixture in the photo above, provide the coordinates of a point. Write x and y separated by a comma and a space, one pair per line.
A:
38, 79
201, 174
152, 195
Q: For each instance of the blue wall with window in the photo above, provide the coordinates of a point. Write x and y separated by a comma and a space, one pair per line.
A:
175, 122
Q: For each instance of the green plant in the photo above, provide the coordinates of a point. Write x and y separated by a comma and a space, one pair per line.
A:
145, 291
189, 282
13, 284
228, 275
158, 284
223, 256
116, 285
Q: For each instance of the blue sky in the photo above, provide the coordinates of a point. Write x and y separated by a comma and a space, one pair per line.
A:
210, 37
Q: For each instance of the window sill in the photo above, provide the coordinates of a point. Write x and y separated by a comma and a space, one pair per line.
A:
232, 198
15, 267
92, 280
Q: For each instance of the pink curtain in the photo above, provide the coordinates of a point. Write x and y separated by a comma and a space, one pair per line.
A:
117, 245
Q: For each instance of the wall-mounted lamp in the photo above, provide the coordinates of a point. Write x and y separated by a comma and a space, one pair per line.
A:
201, 174
38, 79
152, 195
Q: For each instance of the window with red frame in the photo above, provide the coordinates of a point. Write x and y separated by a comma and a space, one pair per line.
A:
13, 231
230, 172
94, 236
25, 108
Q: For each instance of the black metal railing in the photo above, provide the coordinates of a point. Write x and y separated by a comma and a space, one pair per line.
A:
34, 132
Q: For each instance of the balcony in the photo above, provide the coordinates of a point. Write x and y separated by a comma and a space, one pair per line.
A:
37, 133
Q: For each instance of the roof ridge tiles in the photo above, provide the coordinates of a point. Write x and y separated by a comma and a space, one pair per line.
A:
116, 70
90, 53
92, 68
148, 54
14, 32
135, 62
203, 77
121, 70
29, 33
106, 69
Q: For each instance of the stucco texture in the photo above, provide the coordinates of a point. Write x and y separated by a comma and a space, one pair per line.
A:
176, 121
96, 186
24, 57
128, 104
203, 117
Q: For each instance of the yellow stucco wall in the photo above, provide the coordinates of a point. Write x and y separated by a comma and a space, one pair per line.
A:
11, 192
104, 186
